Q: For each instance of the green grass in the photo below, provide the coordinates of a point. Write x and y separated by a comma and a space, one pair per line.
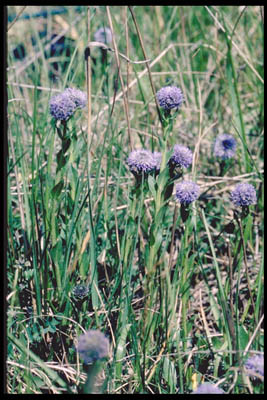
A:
180, 299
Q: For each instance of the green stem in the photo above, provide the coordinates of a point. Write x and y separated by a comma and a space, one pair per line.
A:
128, 247
92, 372
222, 298
159, 198
155, 241
184, 281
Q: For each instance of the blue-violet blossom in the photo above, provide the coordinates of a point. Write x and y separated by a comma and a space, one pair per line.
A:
77, 96
93, 345
63, 105
182, 156
243, 194
142, 161
103, 35
255, 364
208, 388
224, 146
186, 192
170, 97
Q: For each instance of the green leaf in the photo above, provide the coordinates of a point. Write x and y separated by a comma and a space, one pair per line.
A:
121, 349
217, 342
73, 176
131, 227
158, 240
169, 374
38, 382
61, 160
163, 178
57, 189
151, 185
29, 354
243, 337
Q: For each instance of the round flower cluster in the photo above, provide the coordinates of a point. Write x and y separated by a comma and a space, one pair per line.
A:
182, 156
187, 192
225, 146
208, 388
255, 364
103, 35
243, 194
143, 161
63, 105
79, 292
77, 96
170, 97
93, 345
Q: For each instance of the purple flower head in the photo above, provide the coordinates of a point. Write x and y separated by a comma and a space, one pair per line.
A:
103, 35
225, 146
77, 96
187, 192
255, 364
170, 97
93, 345
157, 157
208, 388
182, 156
63, 105
243, 194
141, 161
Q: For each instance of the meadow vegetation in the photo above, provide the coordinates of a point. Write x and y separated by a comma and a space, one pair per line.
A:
93, 245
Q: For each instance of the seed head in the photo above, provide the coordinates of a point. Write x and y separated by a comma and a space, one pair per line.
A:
187, 192
243, 194
208, 388
255, 364
182, 156
142, 161
103, 35
224, 146
170, 97
92, 346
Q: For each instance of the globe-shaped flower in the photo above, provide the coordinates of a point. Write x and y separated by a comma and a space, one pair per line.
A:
225, 146
255, 364
93, 345
170, 97
208, 388
77, 96
103, 35
141, 161
186, 192
80, 292
182, 156
243, 195
63, 105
